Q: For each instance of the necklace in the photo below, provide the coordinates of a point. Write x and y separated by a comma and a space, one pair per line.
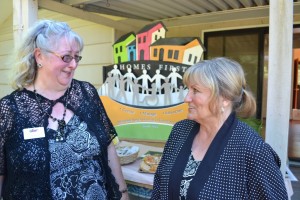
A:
61, 122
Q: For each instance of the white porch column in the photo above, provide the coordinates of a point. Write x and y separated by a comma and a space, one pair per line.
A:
279, 77
24, 15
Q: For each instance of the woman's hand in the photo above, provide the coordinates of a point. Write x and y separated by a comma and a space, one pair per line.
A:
114, 164
125, 196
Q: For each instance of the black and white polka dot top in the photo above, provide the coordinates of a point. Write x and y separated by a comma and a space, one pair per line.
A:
237, 165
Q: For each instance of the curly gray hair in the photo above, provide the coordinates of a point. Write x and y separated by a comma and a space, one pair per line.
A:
45, 34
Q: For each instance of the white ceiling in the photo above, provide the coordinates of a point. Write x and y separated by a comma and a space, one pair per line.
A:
137, 13
152, 10
171, 12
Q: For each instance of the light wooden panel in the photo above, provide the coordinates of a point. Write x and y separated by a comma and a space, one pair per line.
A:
7, 36
96, 34
5, 90
6, 50
6, 12
90, 73
97, 54
6, 61
5, 77
6, 32
6, 47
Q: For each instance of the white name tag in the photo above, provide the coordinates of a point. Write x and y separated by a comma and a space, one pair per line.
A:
33, 133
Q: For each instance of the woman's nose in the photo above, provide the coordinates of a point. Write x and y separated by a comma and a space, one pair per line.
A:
187, 97
73, 64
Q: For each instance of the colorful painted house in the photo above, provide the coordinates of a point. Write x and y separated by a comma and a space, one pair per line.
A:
147, 36
131, 50
193, 51
186, 50
120, 47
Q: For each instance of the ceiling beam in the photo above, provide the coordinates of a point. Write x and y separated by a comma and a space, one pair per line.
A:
101, 10
122, 6
247, 3
76, 2
220, 4
227, 15
260, 2
233, 4
78, 13
243, 13
207, 5
128, 25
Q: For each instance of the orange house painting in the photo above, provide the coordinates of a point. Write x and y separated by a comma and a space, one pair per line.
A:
185, 50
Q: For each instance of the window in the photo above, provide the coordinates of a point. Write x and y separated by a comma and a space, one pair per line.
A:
170, 53
176, 53
190, 58
246, 47
195, 59
155, 52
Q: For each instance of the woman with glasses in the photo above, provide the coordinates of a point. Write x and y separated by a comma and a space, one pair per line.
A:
55, 135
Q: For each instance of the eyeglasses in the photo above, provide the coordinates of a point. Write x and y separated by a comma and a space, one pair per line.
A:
67, 58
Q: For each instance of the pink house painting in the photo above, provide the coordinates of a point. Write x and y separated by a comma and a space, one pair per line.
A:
146, 36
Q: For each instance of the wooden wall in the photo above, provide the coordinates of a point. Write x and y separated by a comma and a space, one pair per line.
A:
6, 50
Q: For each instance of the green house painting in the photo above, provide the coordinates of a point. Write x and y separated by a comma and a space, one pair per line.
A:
120, 47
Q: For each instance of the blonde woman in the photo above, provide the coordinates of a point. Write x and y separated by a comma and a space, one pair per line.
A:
212, 154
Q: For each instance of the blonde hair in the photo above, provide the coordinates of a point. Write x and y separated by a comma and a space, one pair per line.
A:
45, 34
224, 77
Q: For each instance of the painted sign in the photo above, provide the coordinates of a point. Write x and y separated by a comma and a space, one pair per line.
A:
142, 91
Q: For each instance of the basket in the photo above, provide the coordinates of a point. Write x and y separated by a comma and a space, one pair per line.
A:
127, 154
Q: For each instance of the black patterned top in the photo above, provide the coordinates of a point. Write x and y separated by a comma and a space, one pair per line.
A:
74, 171
237, 165
188, 175
26, 163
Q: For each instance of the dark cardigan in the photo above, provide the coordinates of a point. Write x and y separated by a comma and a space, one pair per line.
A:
238, 165
26, 163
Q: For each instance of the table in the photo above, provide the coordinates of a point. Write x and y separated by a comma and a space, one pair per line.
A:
139, 184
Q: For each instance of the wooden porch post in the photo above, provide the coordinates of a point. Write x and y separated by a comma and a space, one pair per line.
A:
279, 77
24, 15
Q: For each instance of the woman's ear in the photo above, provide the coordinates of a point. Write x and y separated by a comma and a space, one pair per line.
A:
226, 102
38, 55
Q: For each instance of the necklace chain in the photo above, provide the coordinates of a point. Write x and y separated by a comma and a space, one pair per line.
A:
61, 122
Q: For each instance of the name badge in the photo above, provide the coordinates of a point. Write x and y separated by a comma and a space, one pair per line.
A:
33, 133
